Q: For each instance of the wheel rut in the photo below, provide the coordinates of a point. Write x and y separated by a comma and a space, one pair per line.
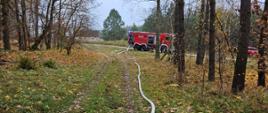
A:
128, 89
76, 106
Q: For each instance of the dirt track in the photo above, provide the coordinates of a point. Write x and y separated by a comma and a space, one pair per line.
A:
128, 83
76, 106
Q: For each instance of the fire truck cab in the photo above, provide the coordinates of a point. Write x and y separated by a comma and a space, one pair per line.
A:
165, 41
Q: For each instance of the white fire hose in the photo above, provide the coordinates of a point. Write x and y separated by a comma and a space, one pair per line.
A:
140, 88
140, 85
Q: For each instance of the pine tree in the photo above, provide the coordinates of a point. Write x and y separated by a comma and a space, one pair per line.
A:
113, 26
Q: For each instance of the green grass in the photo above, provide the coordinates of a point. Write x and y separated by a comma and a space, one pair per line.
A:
105, 50
53, 90
159, 84
50, 64
42, 90
108, 95
26, 63
116, 80
122, 43
47, 90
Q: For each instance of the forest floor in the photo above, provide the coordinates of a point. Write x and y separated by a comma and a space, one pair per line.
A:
96, 79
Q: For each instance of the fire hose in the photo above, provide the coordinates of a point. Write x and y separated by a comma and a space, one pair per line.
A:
140, 85
141, 91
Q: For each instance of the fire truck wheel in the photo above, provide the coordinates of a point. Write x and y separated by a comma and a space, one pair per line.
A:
136, 47
143, 48
163, 49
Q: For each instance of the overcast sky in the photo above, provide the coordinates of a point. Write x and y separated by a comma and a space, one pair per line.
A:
131, 12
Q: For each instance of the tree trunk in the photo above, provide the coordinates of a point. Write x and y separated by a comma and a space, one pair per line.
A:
49, 35
48, 39
201, 38
262, 48
71, 41
242, 56
179, 41
18, 26
70, 44
24, 24
59, 37
157, 48
31, 21
5, 21
211, 74
36, 12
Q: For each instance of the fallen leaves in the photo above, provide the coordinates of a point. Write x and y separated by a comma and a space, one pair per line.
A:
44, 89
161, 86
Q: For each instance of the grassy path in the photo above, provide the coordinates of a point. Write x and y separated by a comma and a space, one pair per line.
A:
127, 86
76, 107
118, 91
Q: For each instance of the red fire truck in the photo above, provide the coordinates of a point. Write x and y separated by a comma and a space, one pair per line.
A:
147, 41
142, 40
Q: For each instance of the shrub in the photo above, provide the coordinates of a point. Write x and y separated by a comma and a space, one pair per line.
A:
26, 63
50, 64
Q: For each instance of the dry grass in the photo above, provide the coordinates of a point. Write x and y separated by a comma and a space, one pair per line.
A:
160, 84
50, 90
122, 43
